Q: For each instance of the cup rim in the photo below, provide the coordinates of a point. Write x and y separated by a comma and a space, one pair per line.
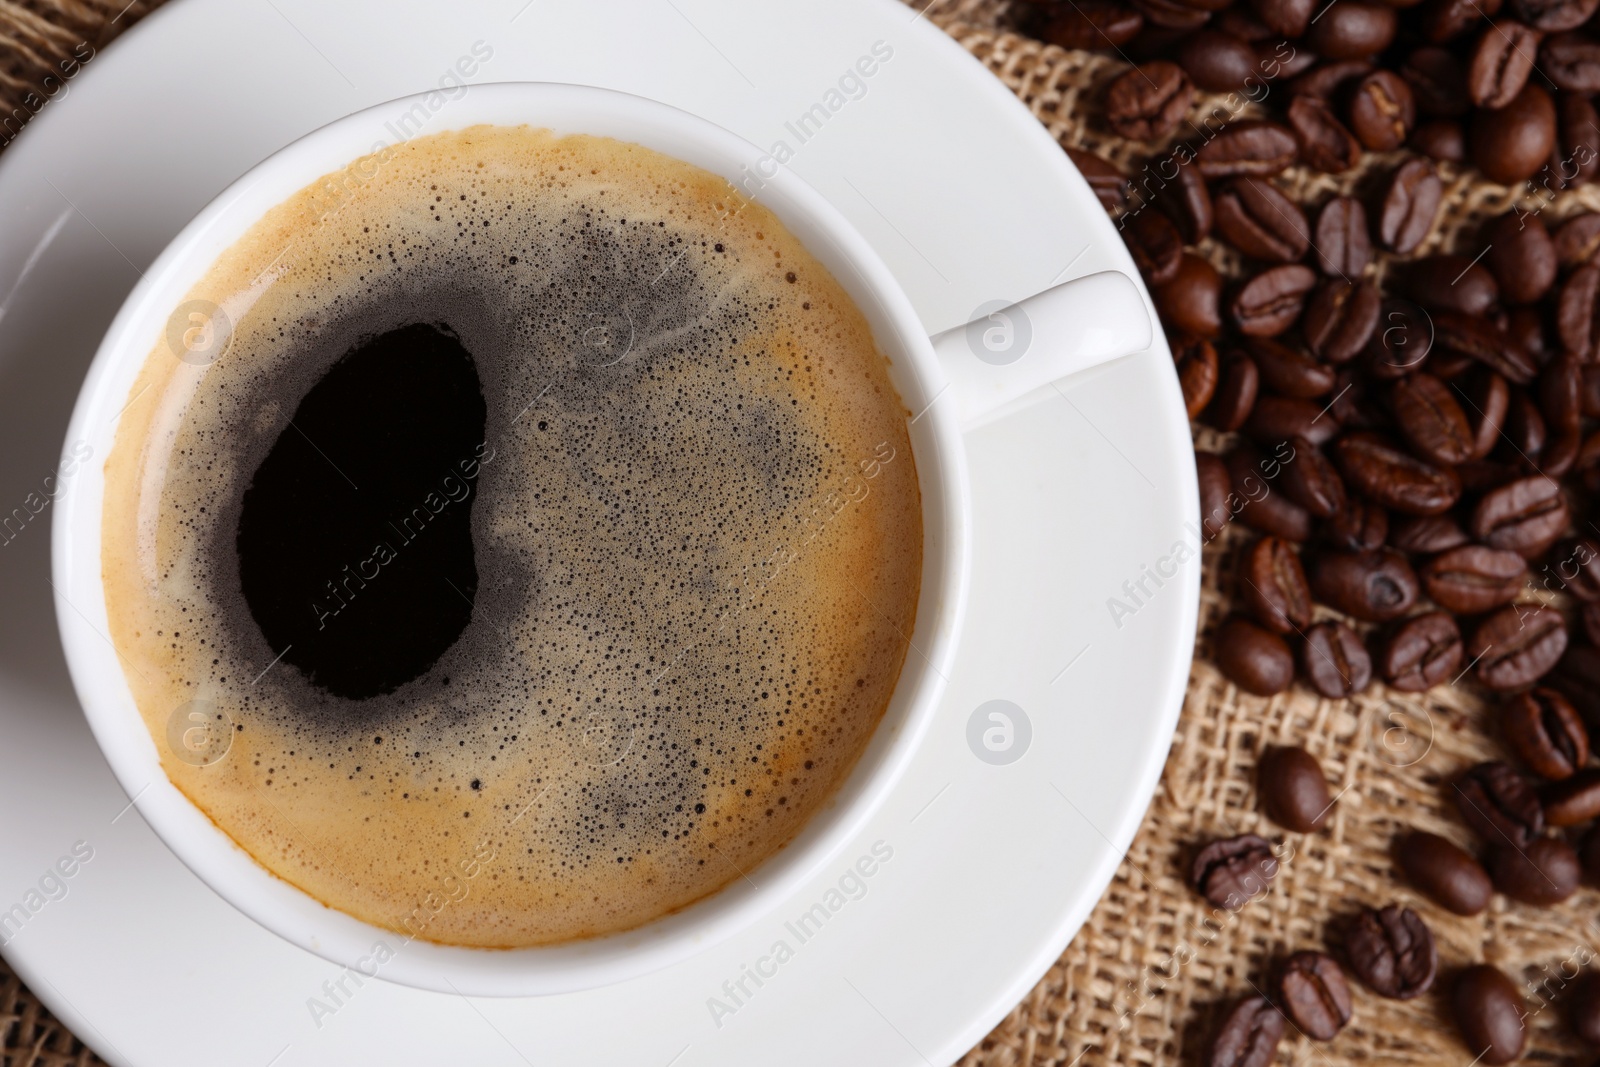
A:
215, 858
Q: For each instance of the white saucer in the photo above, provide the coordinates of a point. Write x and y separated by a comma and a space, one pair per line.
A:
993, 867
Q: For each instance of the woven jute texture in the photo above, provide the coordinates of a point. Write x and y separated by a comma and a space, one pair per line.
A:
1146, 978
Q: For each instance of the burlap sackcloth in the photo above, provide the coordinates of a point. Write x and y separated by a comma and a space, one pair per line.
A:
1146, 977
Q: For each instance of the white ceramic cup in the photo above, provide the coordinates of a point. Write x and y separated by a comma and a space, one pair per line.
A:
952, 380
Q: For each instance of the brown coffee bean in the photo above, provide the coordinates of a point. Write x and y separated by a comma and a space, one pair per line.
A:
1237, 386
1428, 534
1216, 62
1216, 493
1090, 24
1499, 804
1260, 221
1240, 23
1323, 140
1576, 156
1483, 341
1501, 62
1438, 82
1583, 1008
1269, 303
1573, 801
1382, 111
1263, 506
1401, 341
1472, 579
1360, 526
1422, 653
1312, 481
1294, 793
1409, 205
1441, 139
1489, 1013
1445, 20
1108, 183
1288, 371
1509, 144
1571, 61
1444, 872
1340, 318
1327, 80
1249, 1035
1253, 658
1486, 398
1578, 313
1147, 102
1577, 677
1449, 282
1521, 256
1394, 478
1231, 872
1392, 952
1278, 418
1253, 147
1287, 18
1517, 645
1545, 732
1574, 567
1273, 586
1314, 995
1341, 245
1155, 244
1351, 30
1553, 16
1578, 241
1191, 302
1431, 419
1525, 516
1184, 197
1196, 361
1335, 661
1374, 586
1546, 872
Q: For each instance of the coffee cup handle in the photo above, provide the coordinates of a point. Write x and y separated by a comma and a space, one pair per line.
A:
1008, 350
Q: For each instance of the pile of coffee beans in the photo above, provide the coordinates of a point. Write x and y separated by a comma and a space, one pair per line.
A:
1414, 440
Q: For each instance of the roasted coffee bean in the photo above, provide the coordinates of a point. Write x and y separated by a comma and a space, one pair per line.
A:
1489, 1012
1438, 82
1445, 20
1521, 256
1294, 793
1273, 586
1260, 221
1090, 24
1269, 303
1578, 241
1401, 341
1335, 661
1314, 995
1509, 144
1545, 732
1278, 418
1441, 139
1216, 62
1280, 59
1340, 318
1484, 342
1553, 16
1231, 872
1501, 63
1431, 419
1574, 567
1325, 81
1421, 653
1155, 244
1524, 429
1409, 205
1517, 645
1185, 198
1525, 326
1325, 143
1354, 401
1287, 371
1499, 804
1342, 247
1312, 481
1216, 493
1249, 1035
1444, 872
1560, 401
1428, 534
1108, 183
1392, 477
1191, 301
1382, 111
1578, 313
1577, 677
1237, 386
1583, 1008
1351, 30
1263, 506
1147, 102
1525, 516
1288, 18
1375, 586
1573, 801
1360, 526
1472, 579
1253, 146
1450, 282
1392, 952
1253, 658
1196, 361
1240, 23
1571, 61
1546, 872
1576, 156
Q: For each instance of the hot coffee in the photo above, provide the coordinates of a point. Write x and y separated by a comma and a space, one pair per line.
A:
515, 539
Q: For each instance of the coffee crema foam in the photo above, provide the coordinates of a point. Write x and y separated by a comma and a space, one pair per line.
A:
697, 530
